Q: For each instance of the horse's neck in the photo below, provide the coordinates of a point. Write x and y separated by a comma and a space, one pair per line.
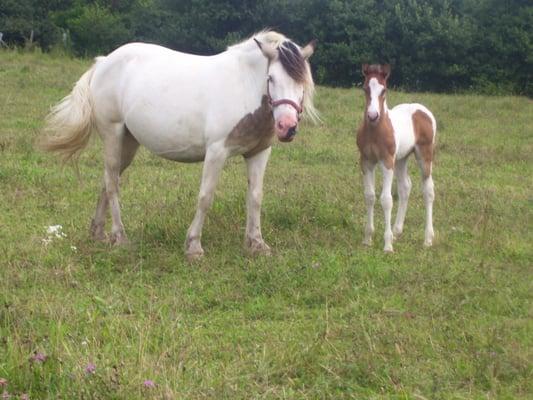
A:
255, 68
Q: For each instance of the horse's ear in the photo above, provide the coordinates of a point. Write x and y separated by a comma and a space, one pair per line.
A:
385, 70
309, 49
267, 49
364, 69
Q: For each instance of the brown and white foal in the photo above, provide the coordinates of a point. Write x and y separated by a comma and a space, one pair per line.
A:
388, 137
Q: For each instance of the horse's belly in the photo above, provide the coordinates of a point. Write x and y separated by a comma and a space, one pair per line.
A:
176, 139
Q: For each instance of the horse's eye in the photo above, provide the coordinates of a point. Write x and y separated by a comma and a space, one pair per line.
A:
270, 79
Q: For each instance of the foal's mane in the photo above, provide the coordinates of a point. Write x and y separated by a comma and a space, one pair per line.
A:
292, 61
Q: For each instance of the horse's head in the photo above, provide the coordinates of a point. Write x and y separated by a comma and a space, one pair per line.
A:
375, 88
288, 77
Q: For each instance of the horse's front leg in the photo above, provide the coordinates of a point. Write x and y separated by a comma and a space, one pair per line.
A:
386, 203
256, 166
370, 199
214, 161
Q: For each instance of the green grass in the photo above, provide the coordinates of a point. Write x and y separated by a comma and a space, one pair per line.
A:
323, 317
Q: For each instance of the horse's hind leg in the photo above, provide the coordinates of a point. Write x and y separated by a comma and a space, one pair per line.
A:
98, 222
119, 150
404, 189
424, 157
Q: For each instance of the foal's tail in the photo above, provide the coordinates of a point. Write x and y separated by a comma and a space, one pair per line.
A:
70, 123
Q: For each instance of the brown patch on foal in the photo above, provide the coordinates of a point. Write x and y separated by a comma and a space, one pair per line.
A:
376, 143
255, 131
424, 139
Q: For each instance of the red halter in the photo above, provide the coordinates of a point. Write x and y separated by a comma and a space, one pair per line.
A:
275, 103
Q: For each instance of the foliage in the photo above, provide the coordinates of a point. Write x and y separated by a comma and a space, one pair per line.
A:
442, 45
323, 318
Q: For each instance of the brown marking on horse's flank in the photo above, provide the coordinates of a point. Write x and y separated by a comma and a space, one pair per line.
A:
423, 128
255, 131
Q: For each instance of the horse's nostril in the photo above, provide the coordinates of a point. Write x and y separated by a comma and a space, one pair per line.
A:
292, 131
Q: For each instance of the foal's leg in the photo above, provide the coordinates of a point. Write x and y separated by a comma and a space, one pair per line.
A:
386, 203
129, 148
428, 191
256, 166
370, 199
404, 188
213, 163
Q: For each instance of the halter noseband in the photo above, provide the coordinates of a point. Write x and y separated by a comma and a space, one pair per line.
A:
275, 103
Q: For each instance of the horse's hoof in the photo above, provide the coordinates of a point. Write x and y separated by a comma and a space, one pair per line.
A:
388, 249
428, 243
118, 239
258, 248
367, 242
97, 232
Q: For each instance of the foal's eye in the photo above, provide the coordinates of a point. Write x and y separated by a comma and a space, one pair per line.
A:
270, 79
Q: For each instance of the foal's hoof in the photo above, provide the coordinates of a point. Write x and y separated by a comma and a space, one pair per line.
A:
193, 256
118, 239
367, 242
396, 232
428, 243
388, 249
258, 248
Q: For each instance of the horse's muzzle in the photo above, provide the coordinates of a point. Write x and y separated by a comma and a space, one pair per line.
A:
288, 136
291, 132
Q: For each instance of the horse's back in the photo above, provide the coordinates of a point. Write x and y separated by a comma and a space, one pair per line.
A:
168, 100
405, 118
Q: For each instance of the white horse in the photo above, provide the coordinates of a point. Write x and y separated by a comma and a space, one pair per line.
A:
187, 108
388, 137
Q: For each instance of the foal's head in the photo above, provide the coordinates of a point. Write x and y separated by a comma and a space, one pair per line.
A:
375, 88
289, 84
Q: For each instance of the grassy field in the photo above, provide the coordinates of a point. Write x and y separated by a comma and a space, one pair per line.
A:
322, 318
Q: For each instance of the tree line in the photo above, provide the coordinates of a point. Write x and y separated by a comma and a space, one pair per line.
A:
433, 45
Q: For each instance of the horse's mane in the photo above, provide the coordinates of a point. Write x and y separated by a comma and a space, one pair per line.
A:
292, 61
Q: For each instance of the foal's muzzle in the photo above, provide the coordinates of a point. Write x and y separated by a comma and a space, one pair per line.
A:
373, 116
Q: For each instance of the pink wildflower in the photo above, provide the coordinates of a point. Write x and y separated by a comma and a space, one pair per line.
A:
3, 382
39, 357
149, 383
6, 395
90, 368
24, 396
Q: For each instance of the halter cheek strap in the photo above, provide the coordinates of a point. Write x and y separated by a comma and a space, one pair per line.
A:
275, 103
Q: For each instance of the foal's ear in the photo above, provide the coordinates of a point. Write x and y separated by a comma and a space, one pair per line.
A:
309, 49
267, 49
385, 71
364, 69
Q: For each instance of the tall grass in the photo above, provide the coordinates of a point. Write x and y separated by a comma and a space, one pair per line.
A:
323, 317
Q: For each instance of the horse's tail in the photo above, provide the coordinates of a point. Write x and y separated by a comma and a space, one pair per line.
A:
70, 123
